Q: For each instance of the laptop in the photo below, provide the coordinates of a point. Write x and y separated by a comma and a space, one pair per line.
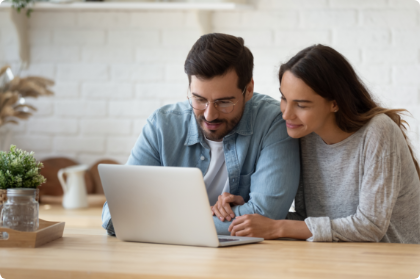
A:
167, 205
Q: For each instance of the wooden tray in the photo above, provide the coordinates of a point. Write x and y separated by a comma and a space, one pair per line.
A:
47, 232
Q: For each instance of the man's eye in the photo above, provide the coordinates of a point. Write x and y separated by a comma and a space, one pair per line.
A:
300, 106
200, 100
282, 98
224, 102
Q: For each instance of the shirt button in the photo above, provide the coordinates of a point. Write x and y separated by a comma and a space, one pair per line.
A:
202, 158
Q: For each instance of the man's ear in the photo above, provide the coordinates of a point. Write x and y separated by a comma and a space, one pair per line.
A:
249, 90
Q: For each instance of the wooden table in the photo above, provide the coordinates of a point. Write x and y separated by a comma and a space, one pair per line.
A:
77, 220
86, 252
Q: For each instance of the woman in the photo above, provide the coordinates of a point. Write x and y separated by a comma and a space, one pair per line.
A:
360, 180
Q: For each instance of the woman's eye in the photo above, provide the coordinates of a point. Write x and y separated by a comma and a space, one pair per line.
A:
282, 98
299, 106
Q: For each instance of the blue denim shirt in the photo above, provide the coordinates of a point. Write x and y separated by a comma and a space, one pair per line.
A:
262, 161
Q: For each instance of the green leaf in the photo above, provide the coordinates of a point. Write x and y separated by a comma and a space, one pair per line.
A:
19, 169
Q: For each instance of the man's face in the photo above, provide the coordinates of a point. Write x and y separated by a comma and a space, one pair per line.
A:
214, 123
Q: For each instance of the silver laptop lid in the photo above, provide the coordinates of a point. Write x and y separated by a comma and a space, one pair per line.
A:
159, 204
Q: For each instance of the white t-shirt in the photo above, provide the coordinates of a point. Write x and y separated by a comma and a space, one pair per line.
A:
216, 178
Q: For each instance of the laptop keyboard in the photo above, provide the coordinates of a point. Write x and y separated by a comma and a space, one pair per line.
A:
228, 239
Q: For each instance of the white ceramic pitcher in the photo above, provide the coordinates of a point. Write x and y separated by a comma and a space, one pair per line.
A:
75, 195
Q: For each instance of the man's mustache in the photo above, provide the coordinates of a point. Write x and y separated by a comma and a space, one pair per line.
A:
216, 121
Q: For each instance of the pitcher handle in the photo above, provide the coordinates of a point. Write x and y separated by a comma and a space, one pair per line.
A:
62, 181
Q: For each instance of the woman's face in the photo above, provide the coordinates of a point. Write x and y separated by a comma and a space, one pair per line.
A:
304, 110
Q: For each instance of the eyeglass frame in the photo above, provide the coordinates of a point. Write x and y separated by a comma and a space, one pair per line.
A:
216, 107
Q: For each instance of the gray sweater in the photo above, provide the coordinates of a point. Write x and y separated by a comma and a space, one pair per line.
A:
364, 188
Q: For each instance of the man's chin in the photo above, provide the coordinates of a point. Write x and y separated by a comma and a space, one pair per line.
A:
213, 135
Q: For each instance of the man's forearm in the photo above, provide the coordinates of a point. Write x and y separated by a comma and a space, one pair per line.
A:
221, 227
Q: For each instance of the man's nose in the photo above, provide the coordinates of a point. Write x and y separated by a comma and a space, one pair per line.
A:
211, 113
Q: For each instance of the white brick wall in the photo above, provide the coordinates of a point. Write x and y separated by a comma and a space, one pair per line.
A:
102, 127
112, 69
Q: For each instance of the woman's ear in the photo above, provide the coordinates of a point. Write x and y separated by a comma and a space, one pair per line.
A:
334, 106
249, 90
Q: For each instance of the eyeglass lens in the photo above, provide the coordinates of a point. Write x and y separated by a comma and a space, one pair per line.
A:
201, 104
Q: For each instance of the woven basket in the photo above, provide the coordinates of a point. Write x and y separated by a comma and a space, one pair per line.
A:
3, 196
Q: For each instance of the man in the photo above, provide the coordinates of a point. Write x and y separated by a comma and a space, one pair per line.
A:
237, 138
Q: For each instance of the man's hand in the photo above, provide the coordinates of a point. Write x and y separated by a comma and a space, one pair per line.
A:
222, 209
255, 225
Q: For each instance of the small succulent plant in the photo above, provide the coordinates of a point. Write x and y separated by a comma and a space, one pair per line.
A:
19, 169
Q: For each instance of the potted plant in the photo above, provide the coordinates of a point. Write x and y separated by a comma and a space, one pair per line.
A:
19, 169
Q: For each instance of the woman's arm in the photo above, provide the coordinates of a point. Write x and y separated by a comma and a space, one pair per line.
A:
379, 191
256, 225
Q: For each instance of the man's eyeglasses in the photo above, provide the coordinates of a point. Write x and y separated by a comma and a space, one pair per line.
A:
224, 106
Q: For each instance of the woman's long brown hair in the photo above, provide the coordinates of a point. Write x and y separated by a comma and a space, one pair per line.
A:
331, 76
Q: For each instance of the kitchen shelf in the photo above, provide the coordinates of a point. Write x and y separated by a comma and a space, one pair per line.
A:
202, 12
115, 6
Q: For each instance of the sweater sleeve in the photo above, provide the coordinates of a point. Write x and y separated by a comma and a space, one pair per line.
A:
379, 191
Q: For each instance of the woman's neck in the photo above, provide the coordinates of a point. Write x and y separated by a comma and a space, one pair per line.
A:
332, 134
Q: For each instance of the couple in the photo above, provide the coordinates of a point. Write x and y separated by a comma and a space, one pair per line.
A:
343, 158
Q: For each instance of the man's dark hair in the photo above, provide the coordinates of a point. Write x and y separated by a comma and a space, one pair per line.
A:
215, 54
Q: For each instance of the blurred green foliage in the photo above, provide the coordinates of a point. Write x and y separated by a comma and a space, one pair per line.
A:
22, 4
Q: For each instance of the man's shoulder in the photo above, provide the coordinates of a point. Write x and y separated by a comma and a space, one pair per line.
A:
264, 100
265, 108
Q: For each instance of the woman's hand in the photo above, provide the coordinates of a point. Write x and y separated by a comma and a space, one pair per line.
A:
255, 225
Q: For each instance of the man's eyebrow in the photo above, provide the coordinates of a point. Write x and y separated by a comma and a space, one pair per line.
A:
220, 99
297, 101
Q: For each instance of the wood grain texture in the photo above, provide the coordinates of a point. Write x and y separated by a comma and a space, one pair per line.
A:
47, 232
86, 218
94, 200
100, 256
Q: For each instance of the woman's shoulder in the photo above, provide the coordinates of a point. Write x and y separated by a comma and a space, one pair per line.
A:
381, 126
382, 121
381, 133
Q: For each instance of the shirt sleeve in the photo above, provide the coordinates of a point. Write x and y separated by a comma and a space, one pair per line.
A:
145, 152
275, 180
379, 191
146, 149
106, 220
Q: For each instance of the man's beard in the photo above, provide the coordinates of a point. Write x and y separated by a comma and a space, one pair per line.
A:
218, 135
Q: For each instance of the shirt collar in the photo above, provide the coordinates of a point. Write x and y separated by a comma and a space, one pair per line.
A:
245, 127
